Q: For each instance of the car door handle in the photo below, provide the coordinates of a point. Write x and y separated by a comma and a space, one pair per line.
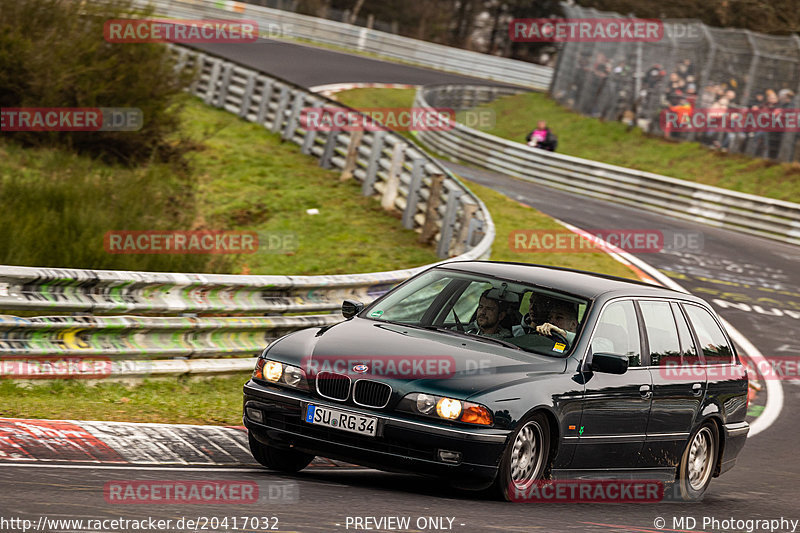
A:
645, 391
697, 389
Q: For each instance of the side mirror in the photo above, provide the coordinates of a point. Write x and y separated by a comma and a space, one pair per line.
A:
609, 363
351, 308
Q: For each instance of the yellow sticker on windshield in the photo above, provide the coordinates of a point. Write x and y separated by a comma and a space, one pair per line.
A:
559, 347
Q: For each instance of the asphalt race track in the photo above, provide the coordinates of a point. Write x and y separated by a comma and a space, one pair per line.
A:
753, 283
309, 66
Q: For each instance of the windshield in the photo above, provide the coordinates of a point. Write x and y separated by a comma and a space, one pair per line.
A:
526, 316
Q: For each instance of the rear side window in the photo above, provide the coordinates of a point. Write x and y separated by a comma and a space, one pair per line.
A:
712, 341
662, 334
617, 332
688, 350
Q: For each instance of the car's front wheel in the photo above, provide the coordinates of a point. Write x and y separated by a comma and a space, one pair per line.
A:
697, 463
278, 459
526, 458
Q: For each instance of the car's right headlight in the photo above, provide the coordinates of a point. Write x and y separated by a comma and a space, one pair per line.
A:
280, 373
446, 408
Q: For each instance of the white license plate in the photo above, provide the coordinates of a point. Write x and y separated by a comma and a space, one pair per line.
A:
344, 420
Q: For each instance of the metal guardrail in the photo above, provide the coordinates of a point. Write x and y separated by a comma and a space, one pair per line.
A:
454, 219
352, 37
384, 162
765, 217
134, 336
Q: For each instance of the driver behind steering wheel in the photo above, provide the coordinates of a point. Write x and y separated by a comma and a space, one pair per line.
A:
562, 318
489, 314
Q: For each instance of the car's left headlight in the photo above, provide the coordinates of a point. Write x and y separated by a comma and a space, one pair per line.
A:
280, 373
446, 408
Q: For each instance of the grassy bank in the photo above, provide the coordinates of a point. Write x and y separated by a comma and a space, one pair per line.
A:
613, 143
58, 206
508, 214
215, 401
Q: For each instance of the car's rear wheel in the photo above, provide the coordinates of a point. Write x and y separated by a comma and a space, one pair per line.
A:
278, 459
697, 463
525, 459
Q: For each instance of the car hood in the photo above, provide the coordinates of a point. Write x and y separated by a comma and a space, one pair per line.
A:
411, 359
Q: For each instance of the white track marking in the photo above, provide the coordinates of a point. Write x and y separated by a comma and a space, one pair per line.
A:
141, 467
182, 468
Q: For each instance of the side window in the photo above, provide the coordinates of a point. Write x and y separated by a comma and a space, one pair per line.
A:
688, 350
617, 332
468, 301
662, 334
712, 340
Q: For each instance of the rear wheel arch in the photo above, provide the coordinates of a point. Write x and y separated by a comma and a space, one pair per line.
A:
697, 466
720, 443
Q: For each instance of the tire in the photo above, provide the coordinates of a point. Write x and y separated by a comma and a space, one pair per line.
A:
526, 459
278, 459
698, 462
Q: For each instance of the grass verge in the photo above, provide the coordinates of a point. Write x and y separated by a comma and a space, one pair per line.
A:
215, 401
613, 143
508, 214
58, 206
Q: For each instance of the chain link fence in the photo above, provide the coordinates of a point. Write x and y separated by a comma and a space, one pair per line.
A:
694, 66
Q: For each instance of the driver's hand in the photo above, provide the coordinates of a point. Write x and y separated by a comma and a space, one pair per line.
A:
547, 329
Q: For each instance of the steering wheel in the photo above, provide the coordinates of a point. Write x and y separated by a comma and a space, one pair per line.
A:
558, 336
459, 325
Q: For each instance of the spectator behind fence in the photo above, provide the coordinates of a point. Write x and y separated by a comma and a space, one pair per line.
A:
542, 137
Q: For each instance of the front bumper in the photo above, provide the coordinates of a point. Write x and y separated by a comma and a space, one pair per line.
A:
401, 444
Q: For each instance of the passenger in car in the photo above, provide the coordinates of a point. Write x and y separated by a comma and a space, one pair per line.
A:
562, 318
488, 316
536, 315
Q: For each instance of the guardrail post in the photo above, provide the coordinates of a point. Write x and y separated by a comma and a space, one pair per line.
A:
443, 250
294, 116
283, 101
308, 141
212, 82
223, 87
180, 63
432, 209
475, 228
248, 95
263, 105
197, 62
372, 164
352, 155
413, 193
393, 179
462, 240
326, 161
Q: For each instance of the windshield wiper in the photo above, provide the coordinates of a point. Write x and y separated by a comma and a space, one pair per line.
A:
471, 336
456, 333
